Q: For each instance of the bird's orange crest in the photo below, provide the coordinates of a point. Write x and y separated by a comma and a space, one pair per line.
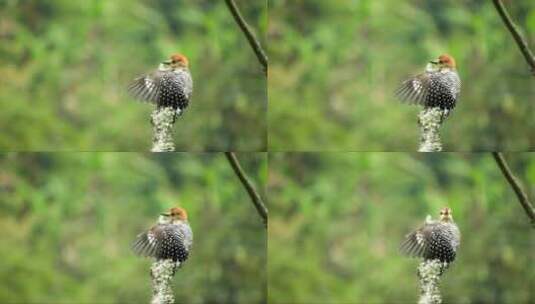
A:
445, 213
179, 59
447, 60
179, 213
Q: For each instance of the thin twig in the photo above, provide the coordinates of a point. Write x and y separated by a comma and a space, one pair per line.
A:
255, 44
516, 185
520, 41
255, 197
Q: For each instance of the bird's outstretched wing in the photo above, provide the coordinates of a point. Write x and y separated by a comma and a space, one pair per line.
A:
415, 243
415, 89
145, 88
145, 245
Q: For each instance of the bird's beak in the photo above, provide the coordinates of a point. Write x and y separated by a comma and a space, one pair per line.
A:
166, 214
167, 62
433, 62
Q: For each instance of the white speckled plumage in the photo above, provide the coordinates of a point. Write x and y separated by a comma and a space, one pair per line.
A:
434, 240
169, 239
436, 87
171, 85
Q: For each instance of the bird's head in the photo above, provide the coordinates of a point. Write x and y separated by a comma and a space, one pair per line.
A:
444, 61
175, 214
445, 215
177, 61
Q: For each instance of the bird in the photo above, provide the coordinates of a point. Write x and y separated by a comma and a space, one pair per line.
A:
435, 240
170, 238
171, 85
438, 87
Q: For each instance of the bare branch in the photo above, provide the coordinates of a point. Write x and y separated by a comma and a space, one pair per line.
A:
162, 272
429, 273
430, 120
520, 41
255, 197
162, 125
255, 44
516, 185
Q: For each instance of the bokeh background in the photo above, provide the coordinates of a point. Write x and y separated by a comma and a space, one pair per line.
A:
68, 221
337, 220
65, 66
336, 64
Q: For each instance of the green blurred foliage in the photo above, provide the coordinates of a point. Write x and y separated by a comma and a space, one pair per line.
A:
66, 64
336, 64
68, 221
337, 220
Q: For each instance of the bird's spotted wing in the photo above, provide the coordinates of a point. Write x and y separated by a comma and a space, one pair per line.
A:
176, 88
441, 247
415, 89
145, 88
172, 245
